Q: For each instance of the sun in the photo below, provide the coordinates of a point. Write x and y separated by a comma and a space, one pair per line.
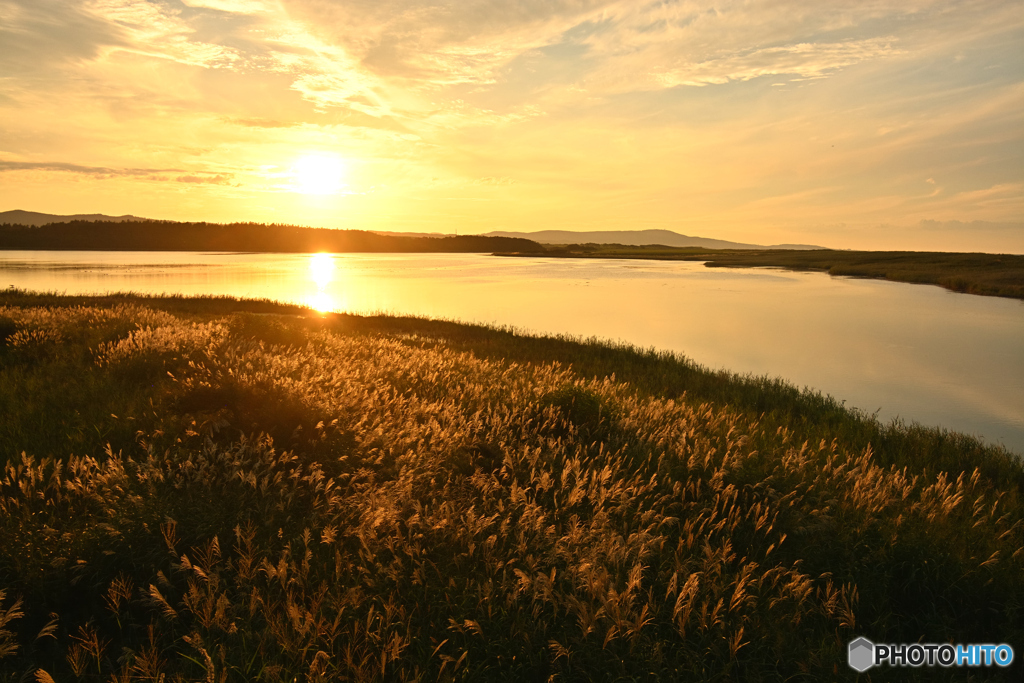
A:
319, 174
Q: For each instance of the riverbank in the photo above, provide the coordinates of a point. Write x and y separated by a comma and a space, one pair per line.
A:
970, 273
214, 486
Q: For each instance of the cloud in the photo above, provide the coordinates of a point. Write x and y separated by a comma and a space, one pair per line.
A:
257, 122
36, 35
972, 226
393, 58
819, 112
806, 60
102, 172
987, 204
158, 30
490, 180
96, 171
441, 43
232, 6
212, 179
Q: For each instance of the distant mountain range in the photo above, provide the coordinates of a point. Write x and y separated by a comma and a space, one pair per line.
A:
638, 238
18, 217
143, 235
667, 238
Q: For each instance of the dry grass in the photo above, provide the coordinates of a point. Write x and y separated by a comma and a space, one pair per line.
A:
291, 502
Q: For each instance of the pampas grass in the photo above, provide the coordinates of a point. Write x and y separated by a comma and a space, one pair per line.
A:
293, 501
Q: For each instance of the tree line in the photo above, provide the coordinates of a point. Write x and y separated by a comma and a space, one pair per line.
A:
254, 237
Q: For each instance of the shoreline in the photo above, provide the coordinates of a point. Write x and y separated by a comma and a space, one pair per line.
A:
918, 409
662, 373
981, 274
1000, 275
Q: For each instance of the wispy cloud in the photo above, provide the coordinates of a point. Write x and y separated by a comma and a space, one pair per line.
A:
211, 179
722, 116
234, 6
976, 226
805, 60
100, 172
97, 171
159, 30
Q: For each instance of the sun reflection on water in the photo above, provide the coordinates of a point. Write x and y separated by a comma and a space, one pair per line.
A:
321, 272
321, 269
322, 302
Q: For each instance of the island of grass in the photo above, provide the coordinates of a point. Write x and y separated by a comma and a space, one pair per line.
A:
221, 490
970, 273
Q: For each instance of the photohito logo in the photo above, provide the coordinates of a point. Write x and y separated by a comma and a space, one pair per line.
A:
863, 654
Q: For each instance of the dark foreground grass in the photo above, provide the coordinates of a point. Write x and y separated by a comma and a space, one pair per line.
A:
238, 490
970, 273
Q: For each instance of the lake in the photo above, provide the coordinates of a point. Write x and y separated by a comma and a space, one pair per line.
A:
915, 352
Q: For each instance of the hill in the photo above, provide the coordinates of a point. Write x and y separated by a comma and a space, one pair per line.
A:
666, 238
18, 217
141, 235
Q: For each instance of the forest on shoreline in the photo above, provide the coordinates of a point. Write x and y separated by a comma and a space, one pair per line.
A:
240, 237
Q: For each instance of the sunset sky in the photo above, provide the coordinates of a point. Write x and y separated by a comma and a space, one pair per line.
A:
860, 124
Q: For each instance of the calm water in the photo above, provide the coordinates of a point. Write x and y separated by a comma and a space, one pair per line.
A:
917, 352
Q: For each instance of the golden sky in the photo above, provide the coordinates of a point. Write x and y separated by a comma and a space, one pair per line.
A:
863, 124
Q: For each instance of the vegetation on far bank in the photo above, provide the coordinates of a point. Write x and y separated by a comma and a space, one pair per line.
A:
210, 489
145, 235
970, 273
989, 274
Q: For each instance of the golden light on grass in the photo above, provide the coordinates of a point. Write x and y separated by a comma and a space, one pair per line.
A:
318, 174
424, 483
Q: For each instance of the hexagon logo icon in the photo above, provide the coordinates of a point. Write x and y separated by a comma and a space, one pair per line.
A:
861, 655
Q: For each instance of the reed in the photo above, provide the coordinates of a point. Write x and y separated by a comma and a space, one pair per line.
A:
272, 497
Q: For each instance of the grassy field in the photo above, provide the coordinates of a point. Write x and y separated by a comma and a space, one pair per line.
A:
986, 274
216, 490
